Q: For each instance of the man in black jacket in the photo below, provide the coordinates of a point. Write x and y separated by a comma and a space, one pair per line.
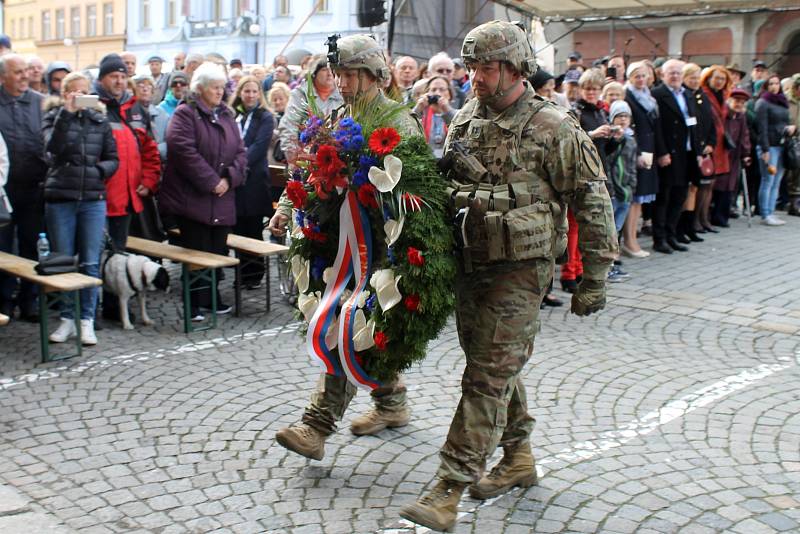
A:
21, 126
677, 155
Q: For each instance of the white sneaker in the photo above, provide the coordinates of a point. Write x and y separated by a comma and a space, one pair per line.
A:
778, 222
64, 331
771, 220
88, 336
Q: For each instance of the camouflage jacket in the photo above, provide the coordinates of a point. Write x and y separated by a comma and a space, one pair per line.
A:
539, 162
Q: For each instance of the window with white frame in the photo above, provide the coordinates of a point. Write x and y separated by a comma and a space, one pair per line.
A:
60, 24
75, 21
172, 13
284, 8
46, 26
108, 18
91, 20
144, 14
323, 6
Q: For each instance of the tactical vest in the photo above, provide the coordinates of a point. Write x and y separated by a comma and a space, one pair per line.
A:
510, 212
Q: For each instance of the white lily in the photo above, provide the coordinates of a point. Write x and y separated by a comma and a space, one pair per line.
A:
393, 229
332, 335
363, 332
386, 180
362, 298
385, 285
300, 271
308, 304
327, 275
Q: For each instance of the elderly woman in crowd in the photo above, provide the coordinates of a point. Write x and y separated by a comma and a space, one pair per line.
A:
772, 123
433, 108
144, 87
647, 131
253, 199
207, 161
277, 100
82, 156
737, 132
612, 91
716, 83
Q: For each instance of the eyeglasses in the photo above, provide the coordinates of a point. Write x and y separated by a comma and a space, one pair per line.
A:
179, 84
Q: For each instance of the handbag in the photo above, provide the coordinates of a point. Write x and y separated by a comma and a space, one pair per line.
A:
147, 223
707, 166
791, 152
57, 264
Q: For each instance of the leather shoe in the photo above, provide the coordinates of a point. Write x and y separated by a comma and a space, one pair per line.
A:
694, 237
676, 246
662, 247
683, 239
711, 229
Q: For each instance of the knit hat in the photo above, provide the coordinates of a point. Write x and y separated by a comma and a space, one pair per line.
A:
111, 63
618, 107
539, 78
177, 75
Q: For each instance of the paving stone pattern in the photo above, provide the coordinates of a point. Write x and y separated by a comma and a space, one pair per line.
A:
674, 410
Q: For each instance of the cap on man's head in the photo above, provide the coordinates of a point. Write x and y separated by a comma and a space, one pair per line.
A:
575, 55
458, 62
539, 78
659, 62
740, 94
236, 63
5, 41
572, 76
111, 63
178, 75
734, 67
155, 58
759, 64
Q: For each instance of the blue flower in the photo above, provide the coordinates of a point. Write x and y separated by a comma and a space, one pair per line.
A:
299, 218
367, 161
360, 177
347, 122
370, 303
390, 256
318, 265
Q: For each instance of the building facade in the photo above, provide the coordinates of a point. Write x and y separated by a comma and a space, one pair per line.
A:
706, 39
79, 33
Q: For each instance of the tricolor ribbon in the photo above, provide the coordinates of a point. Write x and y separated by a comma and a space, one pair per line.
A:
353, 259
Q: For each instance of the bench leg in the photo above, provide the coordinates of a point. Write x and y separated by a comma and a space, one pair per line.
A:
266, 280
237, 287
44, 324
187, 301
213, 297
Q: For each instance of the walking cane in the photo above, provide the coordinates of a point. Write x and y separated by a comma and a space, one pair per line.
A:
746, 198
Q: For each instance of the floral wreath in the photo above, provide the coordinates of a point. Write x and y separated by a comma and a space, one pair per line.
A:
371, 251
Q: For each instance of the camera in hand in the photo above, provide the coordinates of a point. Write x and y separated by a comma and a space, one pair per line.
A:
433, 99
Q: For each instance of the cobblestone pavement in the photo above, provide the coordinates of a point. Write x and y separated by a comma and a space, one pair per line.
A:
674, 410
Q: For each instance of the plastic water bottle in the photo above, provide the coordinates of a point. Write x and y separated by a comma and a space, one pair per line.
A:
43, 246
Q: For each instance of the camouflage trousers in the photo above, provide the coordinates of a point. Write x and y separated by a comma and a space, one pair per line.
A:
497, 314
333, 396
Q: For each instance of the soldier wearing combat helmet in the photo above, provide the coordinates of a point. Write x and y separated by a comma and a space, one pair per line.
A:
359, 65
516, 162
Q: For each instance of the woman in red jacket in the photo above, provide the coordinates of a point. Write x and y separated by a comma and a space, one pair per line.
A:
716, 83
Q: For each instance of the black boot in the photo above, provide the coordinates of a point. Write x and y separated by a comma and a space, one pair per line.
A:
660, 246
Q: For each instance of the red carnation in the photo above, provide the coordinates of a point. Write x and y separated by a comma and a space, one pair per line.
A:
415, 257
381, 340
314, 235
328, 161
383, 140
296, 193
411, 302
367, 196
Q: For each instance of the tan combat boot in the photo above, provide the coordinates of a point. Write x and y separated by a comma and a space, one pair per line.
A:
376, 420
304, 440
517, 468
438, 509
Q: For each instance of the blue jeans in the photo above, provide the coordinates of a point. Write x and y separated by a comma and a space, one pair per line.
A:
620, 212
770, 183
77, 227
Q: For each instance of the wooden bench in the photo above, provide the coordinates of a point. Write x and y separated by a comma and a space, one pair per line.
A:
249, 251
197, 267
52, 290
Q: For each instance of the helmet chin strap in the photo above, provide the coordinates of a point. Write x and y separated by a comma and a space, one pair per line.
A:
499, 92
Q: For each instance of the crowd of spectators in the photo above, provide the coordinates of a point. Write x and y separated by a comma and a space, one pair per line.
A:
191, 149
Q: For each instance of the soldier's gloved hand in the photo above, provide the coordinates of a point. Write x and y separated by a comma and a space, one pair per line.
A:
590, 297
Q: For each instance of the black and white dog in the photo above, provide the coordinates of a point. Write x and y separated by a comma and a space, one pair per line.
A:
126, 275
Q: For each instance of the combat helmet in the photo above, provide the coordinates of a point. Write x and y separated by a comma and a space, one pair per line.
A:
357, 52
499, 40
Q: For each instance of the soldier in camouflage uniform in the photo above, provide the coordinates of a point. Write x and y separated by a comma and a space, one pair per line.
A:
516, 163
360, 68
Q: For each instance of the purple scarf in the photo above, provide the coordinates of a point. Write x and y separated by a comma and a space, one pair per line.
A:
779, 99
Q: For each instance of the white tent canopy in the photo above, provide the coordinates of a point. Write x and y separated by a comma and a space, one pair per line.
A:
588, 10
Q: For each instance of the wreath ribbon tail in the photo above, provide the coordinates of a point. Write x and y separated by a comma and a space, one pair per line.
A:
355, 223
325, 315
